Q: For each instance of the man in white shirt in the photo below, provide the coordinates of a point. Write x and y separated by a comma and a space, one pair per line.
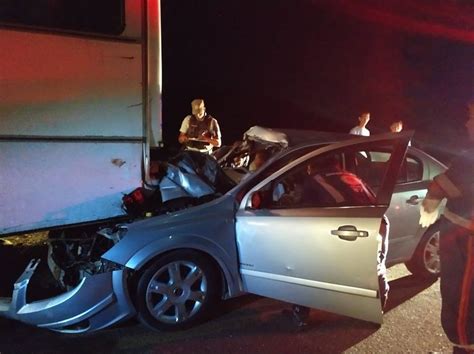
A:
199, 131
360, 129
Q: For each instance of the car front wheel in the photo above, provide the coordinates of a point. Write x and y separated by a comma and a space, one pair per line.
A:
177, 291
425, 262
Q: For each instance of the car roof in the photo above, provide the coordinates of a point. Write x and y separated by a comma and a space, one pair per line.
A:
294, 137
299, 137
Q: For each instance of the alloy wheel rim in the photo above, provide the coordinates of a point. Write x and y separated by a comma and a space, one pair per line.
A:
431, 257
176, 292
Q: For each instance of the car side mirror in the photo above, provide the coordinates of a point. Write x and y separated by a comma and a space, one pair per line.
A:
256, 200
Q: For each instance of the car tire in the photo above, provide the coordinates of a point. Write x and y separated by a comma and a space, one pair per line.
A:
425, 262
177, 291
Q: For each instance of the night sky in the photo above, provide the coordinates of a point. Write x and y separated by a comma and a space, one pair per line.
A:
316, 64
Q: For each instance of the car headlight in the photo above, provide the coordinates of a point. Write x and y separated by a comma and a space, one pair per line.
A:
115, 234
108, 266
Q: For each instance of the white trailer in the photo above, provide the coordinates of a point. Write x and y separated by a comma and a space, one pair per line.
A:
80, 108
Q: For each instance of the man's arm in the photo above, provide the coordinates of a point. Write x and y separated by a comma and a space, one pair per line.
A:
441, 187
183, 137
429, 209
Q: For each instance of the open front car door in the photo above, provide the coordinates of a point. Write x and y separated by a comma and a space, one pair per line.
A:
309, 233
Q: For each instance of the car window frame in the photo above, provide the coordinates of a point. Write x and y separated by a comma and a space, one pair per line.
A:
301, 168
400, 143
273, 165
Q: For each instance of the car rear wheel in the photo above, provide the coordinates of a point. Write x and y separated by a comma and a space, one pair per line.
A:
177, 291
425, 262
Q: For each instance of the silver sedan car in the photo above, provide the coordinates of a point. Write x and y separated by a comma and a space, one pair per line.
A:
305, 228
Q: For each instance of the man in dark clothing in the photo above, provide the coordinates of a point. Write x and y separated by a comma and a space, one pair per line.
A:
456, 243
199, 131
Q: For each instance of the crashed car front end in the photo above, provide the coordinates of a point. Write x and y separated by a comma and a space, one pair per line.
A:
96, 299
97, 302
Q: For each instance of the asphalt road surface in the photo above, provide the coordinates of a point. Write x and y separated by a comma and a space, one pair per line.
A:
252, 324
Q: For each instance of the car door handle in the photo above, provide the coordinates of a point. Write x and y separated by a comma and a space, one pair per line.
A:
414, 200
349, 233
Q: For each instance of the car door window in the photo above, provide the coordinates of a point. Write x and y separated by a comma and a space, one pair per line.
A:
370, 166
414, 169
273, 167
320, 181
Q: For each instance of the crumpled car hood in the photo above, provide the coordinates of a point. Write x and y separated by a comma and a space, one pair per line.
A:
192, 174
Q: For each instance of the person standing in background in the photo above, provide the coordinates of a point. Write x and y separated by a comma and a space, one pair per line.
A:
396, 127
199, 131
361, 129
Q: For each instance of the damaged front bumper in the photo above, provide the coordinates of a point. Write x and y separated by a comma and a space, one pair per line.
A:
98, 301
